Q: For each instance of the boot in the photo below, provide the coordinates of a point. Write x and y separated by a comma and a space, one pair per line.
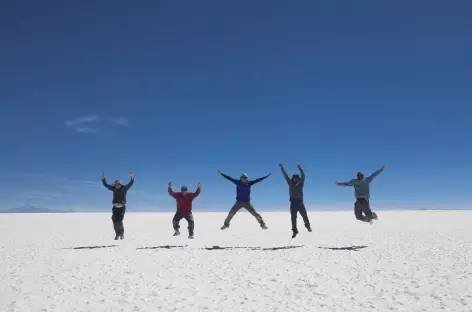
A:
176, 233
295, 233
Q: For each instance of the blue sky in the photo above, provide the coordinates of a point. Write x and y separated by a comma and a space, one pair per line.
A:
175, 90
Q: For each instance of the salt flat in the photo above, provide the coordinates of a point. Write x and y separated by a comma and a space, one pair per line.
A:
406, 261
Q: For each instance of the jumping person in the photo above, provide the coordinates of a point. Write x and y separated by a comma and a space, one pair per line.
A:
362, 193
295, 186
184, 208
243, 198
119, 203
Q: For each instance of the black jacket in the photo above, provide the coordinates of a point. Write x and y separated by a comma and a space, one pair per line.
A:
119, 195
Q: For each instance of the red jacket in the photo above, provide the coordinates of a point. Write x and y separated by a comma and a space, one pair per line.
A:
184, 202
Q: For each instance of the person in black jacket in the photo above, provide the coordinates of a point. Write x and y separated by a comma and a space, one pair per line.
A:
119, 203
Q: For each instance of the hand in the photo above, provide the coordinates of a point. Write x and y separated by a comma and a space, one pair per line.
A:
219, 171
298, 166
170, 183
384, 166
103, 175
199, 185
337, 183
131, 174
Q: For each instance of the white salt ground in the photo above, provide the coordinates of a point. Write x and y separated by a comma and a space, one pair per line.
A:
411, 261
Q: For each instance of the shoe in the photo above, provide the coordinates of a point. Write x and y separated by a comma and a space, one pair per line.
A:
190, 236
295, 233
264, 227
122, 236
375, 216
308, 228
176, 233
224, 227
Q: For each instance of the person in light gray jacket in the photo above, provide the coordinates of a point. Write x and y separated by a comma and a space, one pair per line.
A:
295, 189
362, 194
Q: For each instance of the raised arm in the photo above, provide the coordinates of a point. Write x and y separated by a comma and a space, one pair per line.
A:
131, 182
197, 192
302, 174
228, 177
259, 180
171, 192
284, 173
376, 173
104, 182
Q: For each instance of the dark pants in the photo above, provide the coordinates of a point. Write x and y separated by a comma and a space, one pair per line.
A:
363, 205
118, 214
179, 216
238, 205
297, 206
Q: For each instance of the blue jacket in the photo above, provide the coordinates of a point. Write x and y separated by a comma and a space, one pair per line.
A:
243, 190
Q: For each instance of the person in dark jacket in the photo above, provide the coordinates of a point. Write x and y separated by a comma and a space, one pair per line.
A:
295, 189
243, 198
119, 203
184, 200
362, 194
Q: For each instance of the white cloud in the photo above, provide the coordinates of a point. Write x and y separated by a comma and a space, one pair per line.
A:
95, 123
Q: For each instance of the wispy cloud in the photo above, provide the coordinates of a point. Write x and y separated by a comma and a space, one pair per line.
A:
56, 192
87, 183
95, 123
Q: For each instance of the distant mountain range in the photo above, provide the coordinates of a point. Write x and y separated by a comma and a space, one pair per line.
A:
34, 209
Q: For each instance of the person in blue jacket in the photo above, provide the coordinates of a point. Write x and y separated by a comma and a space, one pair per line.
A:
243, 198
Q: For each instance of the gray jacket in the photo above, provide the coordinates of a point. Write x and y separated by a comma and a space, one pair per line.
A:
295, 190
362, 187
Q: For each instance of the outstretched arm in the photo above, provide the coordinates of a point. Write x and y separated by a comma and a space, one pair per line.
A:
131, 182
284, 173
376, 173
197, 192
171, 192
302, 174
259, 180
228, 177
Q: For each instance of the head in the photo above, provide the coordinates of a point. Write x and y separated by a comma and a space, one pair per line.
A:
295, 178
360, 176
184, 190
243, 177
117, 184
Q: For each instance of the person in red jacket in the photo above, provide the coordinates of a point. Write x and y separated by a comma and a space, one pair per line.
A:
184, 208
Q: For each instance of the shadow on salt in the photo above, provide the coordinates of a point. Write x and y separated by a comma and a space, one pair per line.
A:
163, 247
350, 248
91, 247
224, 248
252, 248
